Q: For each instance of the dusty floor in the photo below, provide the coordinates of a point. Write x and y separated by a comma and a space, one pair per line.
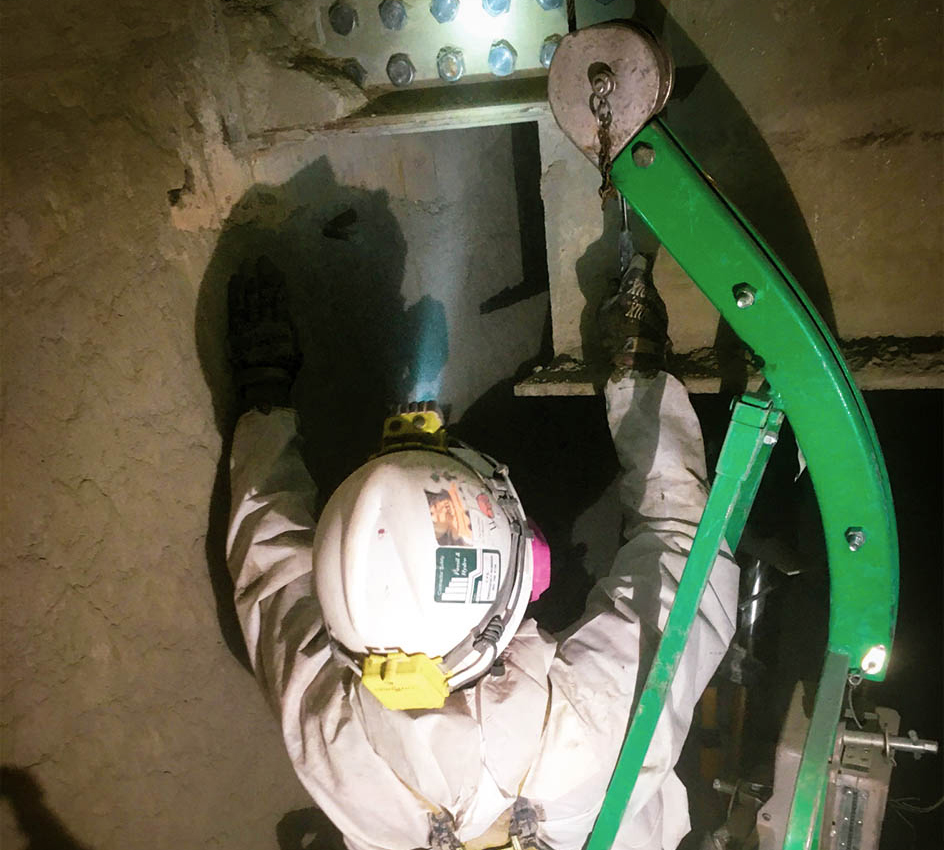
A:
130, 193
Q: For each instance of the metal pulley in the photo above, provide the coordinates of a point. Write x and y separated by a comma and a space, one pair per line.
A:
620, 63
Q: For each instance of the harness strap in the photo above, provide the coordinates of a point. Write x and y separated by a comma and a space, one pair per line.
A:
521, 831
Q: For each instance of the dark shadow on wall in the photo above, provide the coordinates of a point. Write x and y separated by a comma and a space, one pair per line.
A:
716, 129
35, 820
308, 829
343, 255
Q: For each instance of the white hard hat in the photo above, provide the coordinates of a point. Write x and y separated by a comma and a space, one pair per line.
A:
423, 569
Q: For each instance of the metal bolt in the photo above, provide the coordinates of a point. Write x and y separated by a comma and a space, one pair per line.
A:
450, 64
643, 155
770, 439
547, 5
353, 70
744, 295
547, 50
855, 537
392, 14
874, 660
496, 8
501, 58
400, 70
342, 17
766, 815
444, 10
602, 81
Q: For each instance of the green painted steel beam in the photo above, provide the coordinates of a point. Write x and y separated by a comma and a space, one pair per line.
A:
730, 263
744, 455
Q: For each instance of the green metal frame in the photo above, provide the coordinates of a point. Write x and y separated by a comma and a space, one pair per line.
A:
807, 380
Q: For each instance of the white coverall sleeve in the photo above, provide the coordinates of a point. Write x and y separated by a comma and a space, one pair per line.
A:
268, 551
602, 662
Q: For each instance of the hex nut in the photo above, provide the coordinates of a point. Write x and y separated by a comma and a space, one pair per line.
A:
444, 10
450, 64
392, 14
643, 155
548, 47
855, 537
496, 8
744, 295
400, 70
342, 17
501, 58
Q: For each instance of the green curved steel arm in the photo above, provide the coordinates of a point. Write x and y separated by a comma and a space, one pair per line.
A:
810, 382
802, 364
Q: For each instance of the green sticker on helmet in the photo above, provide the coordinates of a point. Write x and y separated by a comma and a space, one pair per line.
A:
461, 578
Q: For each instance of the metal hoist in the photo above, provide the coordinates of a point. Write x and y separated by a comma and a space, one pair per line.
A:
606, 85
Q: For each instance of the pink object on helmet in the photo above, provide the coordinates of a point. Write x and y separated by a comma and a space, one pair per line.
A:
541, 553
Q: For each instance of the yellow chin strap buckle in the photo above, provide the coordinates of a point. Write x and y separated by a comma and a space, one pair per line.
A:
403, 682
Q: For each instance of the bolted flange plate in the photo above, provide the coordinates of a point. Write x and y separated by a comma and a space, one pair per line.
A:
641, 69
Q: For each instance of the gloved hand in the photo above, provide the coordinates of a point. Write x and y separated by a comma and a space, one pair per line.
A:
634, 324
263, 348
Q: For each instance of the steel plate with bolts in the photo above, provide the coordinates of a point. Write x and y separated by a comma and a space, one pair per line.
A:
371, 32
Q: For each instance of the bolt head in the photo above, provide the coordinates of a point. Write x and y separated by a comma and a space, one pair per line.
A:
874, 660
450, 64
548, 48
501, 58
496, 7
744, 296
855, 537
392, 14
770, 439
548, 5
444, 10
342, 17
643, 155
400, 70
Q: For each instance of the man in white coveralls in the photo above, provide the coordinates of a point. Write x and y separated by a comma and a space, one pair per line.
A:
375, 632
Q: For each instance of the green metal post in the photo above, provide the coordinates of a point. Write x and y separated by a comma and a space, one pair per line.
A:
751, 434
809, 792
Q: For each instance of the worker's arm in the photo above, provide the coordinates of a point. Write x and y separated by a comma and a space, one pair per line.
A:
602, 662
269, 552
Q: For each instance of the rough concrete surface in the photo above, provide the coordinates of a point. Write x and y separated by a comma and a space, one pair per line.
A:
127, 718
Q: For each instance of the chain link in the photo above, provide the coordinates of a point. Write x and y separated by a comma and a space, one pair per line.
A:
603, 85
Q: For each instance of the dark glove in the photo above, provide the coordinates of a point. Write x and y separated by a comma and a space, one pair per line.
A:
263, 347
634, 325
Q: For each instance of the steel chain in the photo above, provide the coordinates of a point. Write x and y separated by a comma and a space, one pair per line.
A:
600, 107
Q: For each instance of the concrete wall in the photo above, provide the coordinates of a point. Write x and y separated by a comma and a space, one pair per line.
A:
130, 196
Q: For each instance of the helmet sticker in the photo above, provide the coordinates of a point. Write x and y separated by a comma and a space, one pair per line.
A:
460, 578
451, 522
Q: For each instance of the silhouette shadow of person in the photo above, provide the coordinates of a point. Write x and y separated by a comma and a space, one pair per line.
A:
342, 253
